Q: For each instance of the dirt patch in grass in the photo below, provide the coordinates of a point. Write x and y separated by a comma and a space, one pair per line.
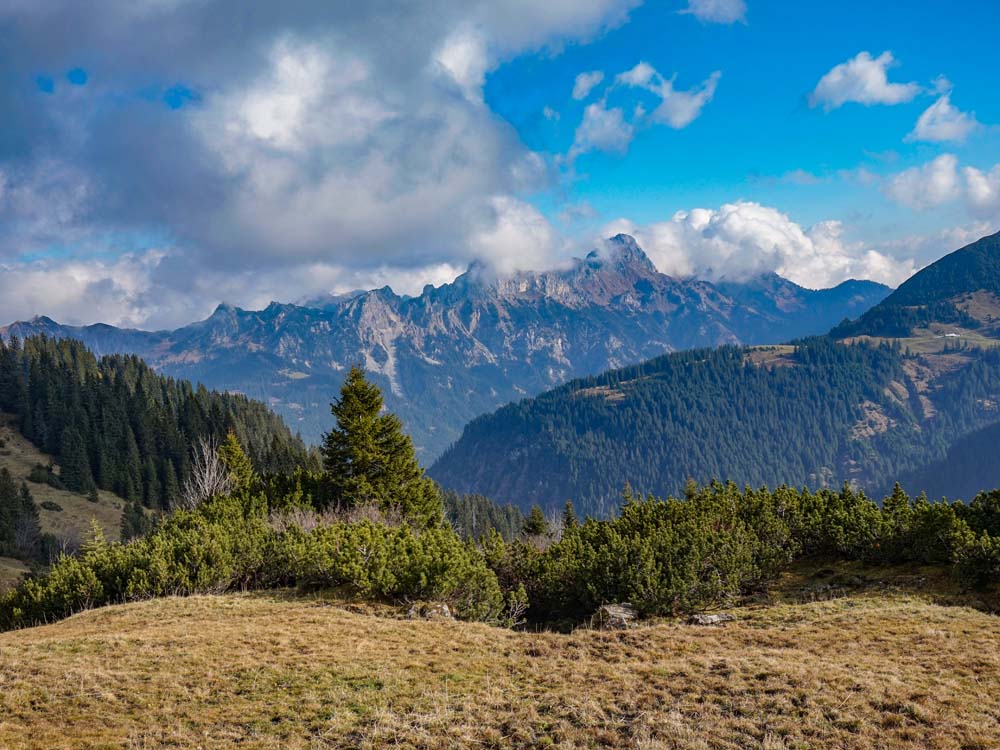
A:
883, 670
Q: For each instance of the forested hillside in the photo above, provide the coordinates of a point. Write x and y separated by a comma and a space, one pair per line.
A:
816, 414
971, 466
113, 423
961, 289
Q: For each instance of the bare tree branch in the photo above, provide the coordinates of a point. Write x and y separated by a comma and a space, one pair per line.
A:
208, 478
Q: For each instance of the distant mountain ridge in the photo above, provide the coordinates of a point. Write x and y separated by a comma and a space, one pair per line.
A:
909, 392
465, 348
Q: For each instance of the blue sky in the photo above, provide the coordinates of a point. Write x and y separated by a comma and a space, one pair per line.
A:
158, 158
759, 129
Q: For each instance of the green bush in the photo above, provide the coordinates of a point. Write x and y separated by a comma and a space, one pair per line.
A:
666, 557
227, 544
41, 474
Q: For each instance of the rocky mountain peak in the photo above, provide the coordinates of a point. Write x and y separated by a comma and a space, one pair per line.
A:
623, 253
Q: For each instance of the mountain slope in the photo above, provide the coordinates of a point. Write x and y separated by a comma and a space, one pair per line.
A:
808, 311
114, 424
818, 414
869, 409
468, 347
961, 289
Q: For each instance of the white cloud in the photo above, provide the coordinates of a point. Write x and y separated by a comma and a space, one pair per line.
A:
927, 248
585, 83
943, 181
861, 79
602, 129
465, 58
983, 190
942, 122
718, 11
335, 137
927, 186
80, 291
517, 238
743, 239
130, 290
677, 109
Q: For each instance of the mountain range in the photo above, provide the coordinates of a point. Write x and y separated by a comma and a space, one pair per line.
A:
465, 348
909, 391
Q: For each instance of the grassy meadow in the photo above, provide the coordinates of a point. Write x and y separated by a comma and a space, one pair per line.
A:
873, 667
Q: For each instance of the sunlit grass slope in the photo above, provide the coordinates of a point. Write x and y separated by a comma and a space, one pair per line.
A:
872, 670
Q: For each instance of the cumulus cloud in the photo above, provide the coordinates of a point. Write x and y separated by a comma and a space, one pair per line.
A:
602, 129
115, 291
677, 109
346, 135
585, 83
942, 122
863, 79
744, 239
717, 11
518, 238
983, 190
464, 57
943, 181
926, 186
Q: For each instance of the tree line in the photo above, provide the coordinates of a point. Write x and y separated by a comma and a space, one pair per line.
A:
371, 524
113, 423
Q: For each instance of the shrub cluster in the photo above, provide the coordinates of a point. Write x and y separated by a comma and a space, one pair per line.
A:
672, 556
228, 544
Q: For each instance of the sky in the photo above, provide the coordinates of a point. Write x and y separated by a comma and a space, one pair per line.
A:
158, 157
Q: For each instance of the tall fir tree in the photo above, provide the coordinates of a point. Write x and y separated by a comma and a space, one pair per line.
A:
238, 464
368, 459
535, 524
75, 472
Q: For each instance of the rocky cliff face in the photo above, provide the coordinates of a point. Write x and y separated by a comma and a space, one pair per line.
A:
467, 347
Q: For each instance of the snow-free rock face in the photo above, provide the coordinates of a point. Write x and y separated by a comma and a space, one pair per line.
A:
465, 348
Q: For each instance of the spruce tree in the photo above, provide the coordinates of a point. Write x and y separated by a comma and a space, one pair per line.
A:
535, 524
240, 468
569, 516
368, 459
134, 522
75, 473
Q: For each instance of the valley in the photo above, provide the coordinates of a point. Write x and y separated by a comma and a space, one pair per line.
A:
492, 374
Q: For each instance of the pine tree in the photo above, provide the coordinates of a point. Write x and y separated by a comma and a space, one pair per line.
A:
75, 472
368, 458
569, 516
535, 524
134, 522
28, 530
240, 468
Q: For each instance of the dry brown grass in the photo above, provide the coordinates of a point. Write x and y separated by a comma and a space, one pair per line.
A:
274, 671
11, 571
74, 521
